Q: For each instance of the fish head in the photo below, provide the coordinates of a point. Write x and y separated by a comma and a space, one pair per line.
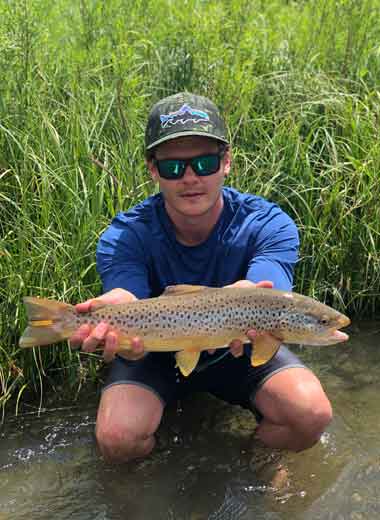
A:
313, 323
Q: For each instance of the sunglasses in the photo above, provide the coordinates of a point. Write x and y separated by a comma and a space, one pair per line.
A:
203, 165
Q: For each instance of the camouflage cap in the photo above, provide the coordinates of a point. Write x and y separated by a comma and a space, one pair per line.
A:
184, 114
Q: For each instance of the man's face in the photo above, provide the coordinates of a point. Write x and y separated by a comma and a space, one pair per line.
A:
191, 195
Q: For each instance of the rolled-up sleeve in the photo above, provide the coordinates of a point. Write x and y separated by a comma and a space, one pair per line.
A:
275, 251
122, 261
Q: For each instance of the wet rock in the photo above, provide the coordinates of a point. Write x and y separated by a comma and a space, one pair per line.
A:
356, 516
280, 479
236, 422
336, 382
364, 378
263, 461
349, 367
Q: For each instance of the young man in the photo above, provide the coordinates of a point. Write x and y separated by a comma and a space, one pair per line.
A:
197, 232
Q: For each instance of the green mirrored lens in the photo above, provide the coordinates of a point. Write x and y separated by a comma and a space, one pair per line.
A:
171, 168
206, 164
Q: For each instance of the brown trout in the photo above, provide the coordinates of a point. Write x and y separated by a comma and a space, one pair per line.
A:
189, 319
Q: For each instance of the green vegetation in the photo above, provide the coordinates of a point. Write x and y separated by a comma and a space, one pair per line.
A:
298, 83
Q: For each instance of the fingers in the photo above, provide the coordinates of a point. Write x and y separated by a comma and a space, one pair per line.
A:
242, 283
247, 284
83, 307
236, 348
251, 335
101, 335
136, 350
118, 296
137, 347
111, 297
89, 305
92, 338
111, 346
79, 336
96, 337
265, 284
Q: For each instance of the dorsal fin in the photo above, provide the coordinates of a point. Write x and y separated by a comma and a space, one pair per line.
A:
181, 289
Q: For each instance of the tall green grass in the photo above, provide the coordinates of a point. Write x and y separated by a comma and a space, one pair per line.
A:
298, 83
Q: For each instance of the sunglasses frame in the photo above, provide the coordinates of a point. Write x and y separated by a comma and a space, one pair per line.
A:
186, 162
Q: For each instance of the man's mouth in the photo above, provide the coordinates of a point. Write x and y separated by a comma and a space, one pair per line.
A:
191, 195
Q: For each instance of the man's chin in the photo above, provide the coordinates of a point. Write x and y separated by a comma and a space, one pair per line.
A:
195, 211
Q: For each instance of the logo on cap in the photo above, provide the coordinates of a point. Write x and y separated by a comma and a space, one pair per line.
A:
182, 116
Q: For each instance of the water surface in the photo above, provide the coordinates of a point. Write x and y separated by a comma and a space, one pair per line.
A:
206, 465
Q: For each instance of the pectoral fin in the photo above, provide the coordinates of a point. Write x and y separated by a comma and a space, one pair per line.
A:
187, 361
264, 349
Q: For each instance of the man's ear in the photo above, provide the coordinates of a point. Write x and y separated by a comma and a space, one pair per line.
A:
227, 161
152, 169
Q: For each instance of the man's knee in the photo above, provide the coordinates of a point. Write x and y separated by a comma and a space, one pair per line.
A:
312, 425
295, 408
112, 438
128, 417
120, 443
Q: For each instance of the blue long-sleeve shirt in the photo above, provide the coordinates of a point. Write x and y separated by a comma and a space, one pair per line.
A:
253, 239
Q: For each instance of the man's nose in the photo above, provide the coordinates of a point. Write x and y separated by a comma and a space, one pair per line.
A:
189, 174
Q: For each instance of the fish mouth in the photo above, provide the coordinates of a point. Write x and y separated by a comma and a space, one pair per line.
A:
328, 337
338, 336
334, 334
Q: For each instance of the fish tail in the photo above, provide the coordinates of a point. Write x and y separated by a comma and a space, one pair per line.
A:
46, 322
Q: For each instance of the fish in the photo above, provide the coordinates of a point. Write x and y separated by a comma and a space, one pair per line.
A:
188, 319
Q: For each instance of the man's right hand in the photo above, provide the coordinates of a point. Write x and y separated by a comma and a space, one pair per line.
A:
91, 338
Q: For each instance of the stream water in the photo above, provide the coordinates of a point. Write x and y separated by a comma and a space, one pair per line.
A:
206, 465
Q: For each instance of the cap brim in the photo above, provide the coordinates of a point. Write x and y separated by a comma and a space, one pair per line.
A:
182, 134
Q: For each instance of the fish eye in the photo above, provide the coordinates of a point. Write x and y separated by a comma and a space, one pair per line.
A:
324, 321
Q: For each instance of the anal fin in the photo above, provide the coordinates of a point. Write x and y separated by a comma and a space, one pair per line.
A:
263, 350
187, 361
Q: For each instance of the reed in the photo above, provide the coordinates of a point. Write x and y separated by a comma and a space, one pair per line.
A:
297, 82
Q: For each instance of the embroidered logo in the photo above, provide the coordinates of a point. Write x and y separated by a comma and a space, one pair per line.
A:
182, 116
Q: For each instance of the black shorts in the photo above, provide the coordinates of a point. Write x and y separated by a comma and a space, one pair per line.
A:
231, 379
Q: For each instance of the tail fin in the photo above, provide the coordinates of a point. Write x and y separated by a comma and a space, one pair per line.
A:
46, 322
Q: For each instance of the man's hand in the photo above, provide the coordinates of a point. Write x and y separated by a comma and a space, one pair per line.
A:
102, 335
237, 346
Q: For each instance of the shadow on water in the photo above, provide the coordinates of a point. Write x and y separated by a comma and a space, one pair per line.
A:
206, 465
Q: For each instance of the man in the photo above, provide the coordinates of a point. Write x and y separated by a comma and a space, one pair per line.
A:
197, 232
